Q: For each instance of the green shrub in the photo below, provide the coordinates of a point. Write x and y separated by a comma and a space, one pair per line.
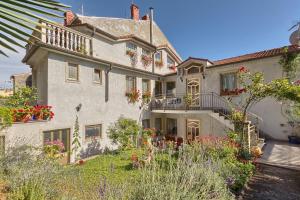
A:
22, 97
124, 132
6, 118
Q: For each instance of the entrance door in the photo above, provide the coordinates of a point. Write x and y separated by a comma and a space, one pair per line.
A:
193, 89
62, 135
193, 129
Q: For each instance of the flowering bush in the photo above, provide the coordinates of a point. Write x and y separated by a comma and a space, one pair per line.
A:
146, 97
237, 116
22, 114
43, 112
133, 96
146, 60
54, 148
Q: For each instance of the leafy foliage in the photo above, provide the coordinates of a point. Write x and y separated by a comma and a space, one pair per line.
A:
290, 63
25, 14
6, 118
124, 132
22, 97
76, 138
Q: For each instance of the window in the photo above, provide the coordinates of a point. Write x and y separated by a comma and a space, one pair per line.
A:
146, 123
73, 72
2, 145
146, 86
171, 126
93, 131
171, 89
228, 83
158, 88
62, 135
194, 70
131, 47
146, 52
158, 124
158, 56
97, 76
130, 83
170, 62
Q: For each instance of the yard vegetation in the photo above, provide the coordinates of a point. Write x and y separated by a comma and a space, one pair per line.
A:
208, 169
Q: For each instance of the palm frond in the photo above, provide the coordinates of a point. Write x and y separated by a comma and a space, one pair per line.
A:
27, 15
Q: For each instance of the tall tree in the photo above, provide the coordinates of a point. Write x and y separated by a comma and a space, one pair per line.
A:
25, 14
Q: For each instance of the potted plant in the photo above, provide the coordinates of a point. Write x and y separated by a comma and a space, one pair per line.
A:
146, 60
172, 67
188, 100
146, 97
133, 96
159, 63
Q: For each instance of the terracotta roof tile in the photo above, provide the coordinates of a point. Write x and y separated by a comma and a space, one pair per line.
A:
256, 55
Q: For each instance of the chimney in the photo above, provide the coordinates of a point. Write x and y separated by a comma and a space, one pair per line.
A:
69, 17
146, 17
151, 25
135, 12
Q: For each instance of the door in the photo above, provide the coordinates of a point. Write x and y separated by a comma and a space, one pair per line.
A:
193, 89
193, 129
62, 135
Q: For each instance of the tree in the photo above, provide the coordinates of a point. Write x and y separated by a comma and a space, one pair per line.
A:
25, 14
255, 89
23, 97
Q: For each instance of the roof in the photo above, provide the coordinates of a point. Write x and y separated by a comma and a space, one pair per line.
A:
123, 28
257, 55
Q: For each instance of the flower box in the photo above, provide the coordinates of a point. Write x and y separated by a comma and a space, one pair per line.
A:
32, 113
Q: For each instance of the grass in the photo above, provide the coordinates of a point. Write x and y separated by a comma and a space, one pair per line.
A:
116, 167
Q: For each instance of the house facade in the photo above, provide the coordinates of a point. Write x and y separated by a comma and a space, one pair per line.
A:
87, 67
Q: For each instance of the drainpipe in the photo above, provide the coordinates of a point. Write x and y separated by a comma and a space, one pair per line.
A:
151, 36
107, 83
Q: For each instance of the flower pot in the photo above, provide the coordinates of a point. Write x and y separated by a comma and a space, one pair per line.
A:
294, 139
26, 118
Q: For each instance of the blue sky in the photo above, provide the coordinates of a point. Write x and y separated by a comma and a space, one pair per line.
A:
212, 29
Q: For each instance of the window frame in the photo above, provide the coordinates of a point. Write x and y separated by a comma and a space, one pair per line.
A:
90, 138
155, 59
173, 61
133, 44
161, 90
134, 83
68, 72
148, 123
148, 85
170, 94
229, 92
100, 81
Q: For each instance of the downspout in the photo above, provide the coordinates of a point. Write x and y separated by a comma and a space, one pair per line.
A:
151, 37
107, 83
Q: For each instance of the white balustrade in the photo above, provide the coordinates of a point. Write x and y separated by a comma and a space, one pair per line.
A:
66, 38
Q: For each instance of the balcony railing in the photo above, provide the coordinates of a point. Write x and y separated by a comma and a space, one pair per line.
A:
202, 101
62, 37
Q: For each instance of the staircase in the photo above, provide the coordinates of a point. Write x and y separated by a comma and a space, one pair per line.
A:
221, 110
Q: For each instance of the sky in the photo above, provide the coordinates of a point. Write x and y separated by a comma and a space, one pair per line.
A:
212, 29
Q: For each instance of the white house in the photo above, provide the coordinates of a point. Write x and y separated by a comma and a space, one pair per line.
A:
84, 68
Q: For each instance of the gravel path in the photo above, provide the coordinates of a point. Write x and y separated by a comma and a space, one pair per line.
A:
273, 183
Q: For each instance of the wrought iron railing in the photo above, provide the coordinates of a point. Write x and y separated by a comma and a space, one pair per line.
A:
203, 101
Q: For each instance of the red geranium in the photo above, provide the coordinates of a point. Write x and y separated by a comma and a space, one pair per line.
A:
243, 69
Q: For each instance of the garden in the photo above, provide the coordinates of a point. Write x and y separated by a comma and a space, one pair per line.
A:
211, 168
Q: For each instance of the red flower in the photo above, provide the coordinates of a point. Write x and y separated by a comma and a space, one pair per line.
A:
297, 82
243, 69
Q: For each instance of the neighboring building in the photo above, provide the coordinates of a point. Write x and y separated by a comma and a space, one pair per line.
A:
21, 80
85, 67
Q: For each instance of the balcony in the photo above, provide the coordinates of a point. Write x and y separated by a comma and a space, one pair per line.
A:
62, 37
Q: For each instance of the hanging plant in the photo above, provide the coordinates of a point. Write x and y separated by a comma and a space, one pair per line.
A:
146, 60
133, 56
289, 62
133, 96
172, 67
146, 97
159, 63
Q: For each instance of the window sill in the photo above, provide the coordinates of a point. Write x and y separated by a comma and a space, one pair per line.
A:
88, 140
